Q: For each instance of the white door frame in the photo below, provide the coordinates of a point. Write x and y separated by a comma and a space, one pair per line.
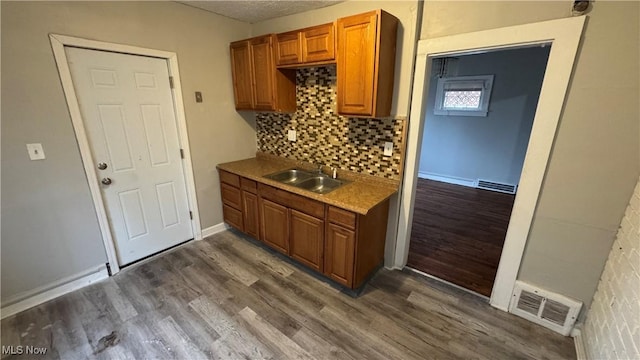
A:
564, 37
58, 42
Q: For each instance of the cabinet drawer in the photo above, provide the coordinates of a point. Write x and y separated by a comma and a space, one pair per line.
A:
229, 178
232, 217
249, 185
231, 196
341, 217
291, 200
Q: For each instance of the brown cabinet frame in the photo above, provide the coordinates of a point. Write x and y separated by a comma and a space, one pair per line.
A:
344, 246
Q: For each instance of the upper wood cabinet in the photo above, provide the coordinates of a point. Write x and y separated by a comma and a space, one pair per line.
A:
241, 72
257, 84
363, 47
310, 46
263, 73
288, 49
318, 43
366, 62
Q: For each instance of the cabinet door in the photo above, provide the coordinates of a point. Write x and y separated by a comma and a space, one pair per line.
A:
340, 254
263, 73
288, 49
318, 43
274, 225
306, 239
250, 214
241, 72
356, 63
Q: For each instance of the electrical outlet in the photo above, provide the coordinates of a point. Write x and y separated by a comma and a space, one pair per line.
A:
291, 135
388, 148
35, 151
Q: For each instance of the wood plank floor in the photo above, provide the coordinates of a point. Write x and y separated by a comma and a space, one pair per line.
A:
226, 298
458, 233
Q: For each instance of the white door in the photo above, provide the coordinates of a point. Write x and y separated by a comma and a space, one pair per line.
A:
127, 110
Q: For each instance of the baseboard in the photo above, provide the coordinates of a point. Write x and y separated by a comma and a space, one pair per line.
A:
578, 340
447, 179
212, 230
49, 292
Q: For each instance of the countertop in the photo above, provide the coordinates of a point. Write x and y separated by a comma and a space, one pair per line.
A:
361, 194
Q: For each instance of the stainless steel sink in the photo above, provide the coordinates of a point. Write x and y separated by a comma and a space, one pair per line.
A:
290, 176
320, 184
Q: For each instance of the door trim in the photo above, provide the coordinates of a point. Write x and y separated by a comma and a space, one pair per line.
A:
564, 37
58, 42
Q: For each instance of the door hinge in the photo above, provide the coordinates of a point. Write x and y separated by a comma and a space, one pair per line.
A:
191, 215
108, 269
171, 82
181, 153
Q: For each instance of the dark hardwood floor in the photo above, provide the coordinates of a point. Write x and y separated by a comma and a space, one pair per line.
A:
227, 298
458, 233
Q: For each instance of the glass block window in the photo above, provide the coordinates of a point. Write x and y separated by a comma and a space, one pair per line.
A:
463, 95
457, 99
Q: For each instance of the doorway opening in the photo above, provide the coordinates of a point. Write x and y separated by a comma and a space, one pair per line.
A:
479, 114
564, 37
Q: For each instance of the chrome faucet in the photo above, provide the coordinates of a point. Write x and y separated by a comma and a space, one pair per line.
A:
334, 171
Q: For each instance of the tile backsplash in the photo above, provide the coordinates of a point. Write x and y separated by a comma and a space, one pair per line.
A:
323, 136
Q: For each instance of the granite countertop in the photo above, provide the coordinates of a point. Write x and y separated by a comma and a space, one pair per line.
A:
360, 195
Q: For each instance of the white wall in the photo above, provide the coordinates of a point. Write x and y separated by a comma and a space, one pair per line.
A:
49, 227
612, 328
492, 147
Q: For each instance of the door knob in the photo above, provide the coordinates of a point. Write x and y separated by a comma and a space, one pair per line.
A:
106, 181
102, 166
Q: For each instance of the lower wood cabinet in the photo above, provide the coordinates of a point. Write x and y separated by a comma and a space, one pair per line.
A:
306, 239
340, 254
344, 246
232, 206
232, 217
354, 244
274, 225
250, 214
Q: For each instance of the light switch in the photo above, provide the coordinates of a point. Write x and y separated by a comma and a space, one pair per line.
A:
198, 97
388, 148
35, 151
291, 135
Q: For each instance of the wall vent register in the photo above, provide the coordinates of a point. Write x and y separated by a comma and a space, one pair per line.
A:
495, 186
551, 310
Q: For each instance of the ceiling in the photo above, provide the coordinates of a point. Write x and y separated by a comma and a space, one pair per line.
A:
253, 11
